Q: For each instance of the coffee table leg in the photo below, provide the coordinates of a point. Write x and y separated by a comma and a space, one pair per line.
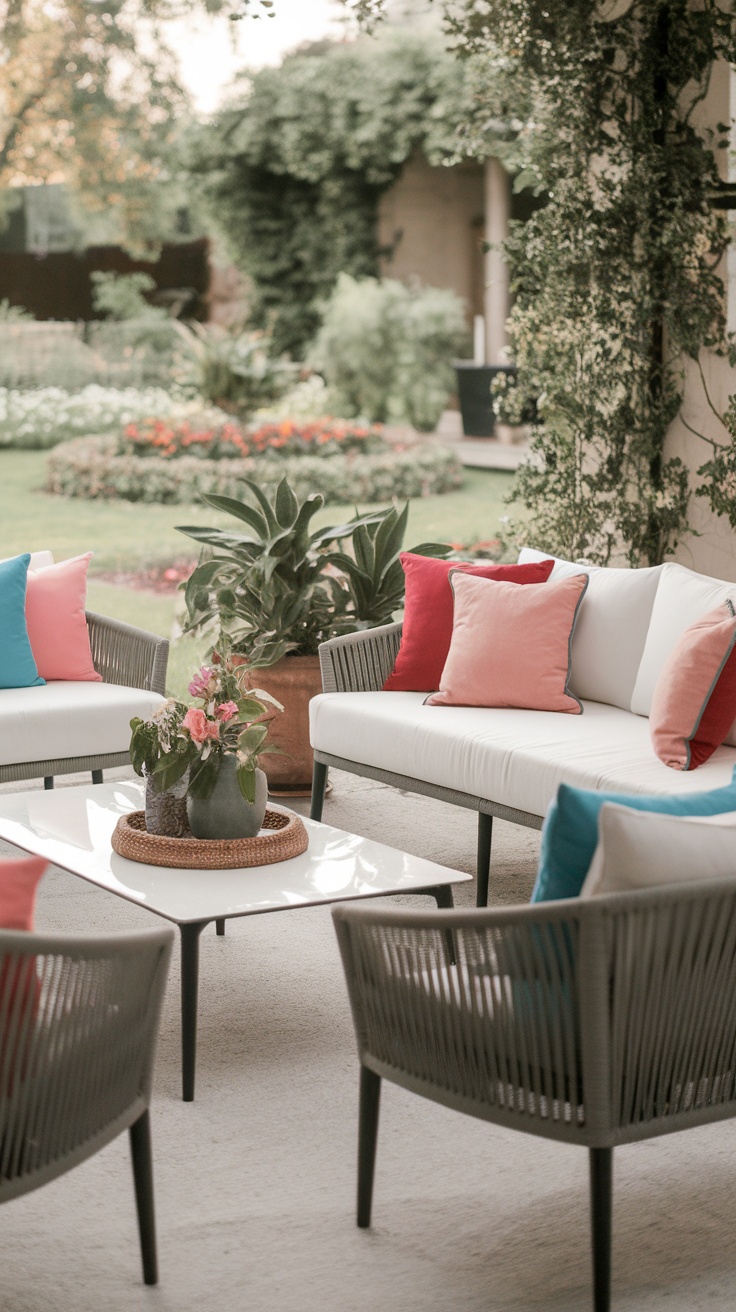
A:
220, 927
442, 895
189, 986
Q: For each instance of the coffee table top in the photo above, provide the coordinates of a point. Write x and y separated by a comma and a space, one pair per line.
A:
72, 828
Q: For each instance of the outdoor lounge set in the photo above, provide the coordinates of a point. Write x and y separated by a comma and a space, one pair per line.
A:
601, 1014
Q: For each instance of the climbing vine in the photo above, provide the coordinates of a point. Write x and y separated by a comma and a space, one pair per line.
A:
617, 280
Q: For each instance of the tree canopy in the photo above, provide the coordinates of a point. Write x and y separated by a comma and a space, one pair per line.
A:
296, 170
89, 96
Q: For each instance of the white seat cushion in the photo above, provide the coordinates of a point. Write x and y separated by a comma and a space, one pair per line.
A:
611, 629
514, 757
69, 719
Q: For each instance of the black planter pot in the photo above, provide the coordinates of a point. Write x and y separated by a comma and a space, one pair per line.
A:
474, 393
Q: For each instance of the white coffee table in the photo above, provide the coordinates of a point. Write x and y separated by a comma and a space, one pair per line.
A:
72, 827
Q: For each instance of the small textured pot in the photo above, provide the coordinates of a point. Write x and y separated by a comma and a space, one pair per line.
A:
166, 813
225, 813
293, 681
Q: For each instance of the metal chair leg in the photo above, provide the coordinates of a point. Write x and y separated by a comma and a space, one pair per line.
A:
370, 1098
48, 781
319, 787
97, 777
483, 862
601, 1211
140, 1152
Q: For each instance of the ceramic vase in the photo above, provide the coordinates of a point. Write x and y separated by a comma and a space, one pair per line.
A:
225, 813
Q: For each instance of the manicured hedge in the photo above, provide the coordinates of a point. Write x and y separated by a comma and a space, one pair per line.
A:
89, 467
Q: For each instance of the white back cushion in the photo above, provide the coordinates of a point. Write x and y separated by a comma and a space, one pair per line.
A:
642, 849
682, 597
39, 559
611, 631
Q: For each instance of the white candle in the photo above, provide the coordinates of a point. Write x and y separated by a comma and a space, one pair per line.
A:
479, 339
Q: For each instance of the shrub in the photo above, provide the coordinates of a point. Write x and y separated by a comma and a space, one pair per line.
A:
386, 349
323, 437
91, 467
48, 415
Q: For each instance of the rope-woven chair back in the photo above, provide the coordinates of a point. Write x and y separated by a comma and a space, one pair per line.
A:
661, 971
476, 1010
78, 1025
596, 1021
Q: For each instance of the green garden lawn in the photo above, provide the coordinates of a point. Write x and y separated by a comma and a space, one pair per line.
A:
131, 538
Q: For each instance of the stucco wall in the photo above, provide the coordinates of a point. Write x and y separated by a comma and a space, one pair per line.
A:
431, 226
714, 551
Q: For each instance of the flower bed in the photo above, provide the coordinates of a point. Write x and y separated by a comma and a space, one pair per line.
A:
44, 416
227, 441
91, 467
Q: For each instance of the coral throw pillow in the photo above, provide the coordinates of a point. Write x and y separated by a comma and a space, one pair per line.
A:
425, 637
57, 627
694, 702
510, 645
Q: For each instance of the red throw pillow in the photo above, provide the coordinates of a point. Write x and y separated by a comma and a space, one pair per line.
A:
427, 631
19, 987
694, 702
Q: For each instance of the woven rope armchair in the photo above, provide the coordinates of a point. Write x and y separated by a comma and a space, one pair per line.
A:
596, 1022
123, 655
79, 1019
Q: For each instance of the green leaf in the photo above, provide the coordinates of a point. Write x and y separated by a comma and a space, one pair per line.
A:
246, 775
169, 770
287, 506
250, 709
239, 509
203, 776
265, 505
250, 739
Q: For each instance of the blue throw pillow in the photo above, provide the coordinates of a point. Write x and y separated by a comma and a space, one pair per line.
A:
17, 666
570, 831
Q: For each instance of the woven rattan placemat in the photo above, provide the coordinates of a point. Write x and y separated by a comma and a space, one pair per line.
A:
286, 836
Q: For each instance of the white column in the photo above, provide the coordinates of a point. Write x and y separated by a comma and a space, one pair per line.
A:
496, 299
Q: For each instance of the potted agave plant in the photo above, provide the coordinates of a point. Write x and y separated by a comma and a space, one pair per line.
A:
272, 588
200, 760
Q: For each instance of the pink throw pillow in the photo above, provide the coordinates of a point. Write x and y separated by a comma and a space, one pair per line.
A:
511, 645
56, 598
427, 630
694, 702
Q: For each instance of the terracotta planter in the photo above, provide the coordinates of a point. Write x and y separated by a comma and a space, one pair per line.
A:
293, 681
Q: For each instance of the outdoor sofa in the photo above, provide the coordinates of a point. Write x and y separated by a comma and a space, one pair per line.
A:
64, 727
508, 762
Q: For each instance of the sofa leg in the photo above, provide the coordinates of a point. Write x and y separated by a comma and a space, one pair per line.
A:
483, 863
48, 781
319, 788
97, 776
601, 1195
370, 1099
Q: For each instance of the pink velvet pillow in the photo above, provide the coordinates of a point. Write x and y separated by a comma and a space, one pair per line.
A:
510, 645
56, 598
427, 629
694, 702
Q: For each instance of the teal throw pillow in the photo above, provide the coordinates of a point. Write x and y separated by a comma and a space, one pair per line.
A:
17, 666
570, 831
